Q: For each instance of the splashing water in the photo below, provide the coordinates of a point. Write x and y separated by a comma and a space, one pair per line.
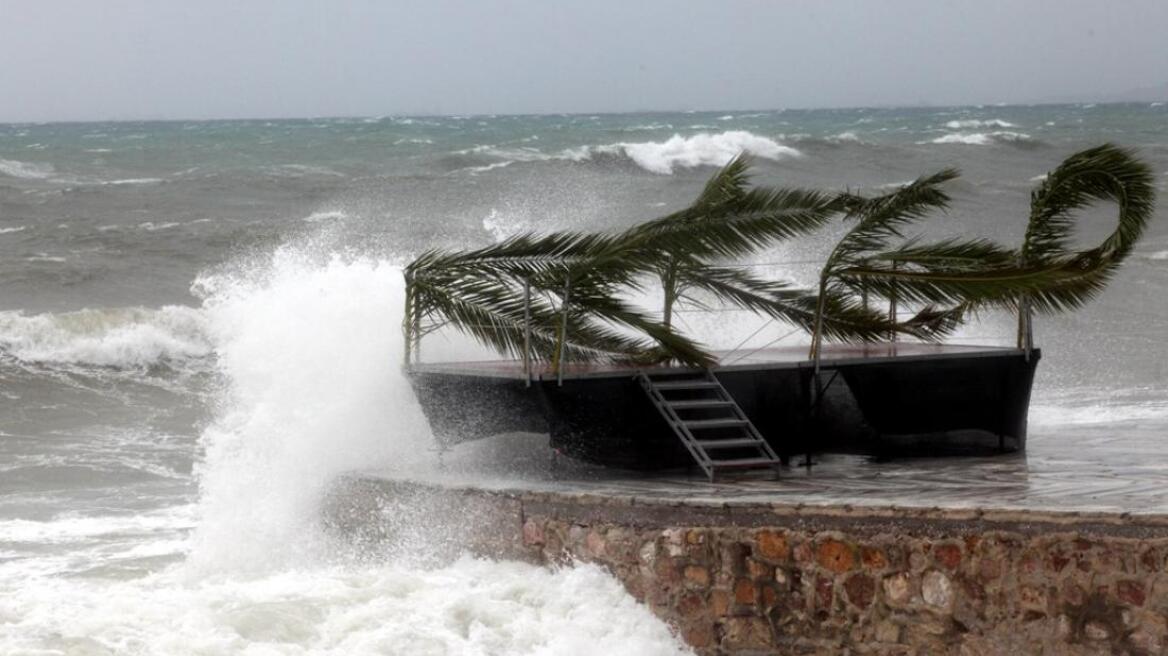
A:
308, 352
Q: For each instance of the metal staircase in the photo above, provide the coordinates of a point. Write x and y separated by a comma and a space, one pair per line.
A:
709, 423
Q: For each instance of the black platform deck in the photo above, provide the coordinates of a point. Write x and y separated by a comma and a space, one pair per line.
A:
874, 398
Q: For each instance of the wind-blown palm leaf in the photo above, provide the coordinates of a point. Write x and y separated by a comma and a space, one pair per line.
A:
844, 317
1104, 173
1044, 274
728, 219
878, 221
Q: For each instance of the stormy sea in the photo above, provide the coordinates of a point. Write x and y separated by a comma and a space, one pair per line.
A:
200, 329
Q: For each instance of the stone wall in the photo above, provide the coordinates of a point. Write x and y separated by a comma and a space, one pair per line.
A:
763, 578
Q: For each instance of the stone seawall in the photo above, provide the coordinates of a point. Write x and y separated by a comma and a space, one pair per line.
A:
761, 578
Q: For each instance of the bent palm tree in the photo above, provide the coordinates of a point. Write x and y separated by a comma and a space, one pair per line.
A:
1045, 274
557, 296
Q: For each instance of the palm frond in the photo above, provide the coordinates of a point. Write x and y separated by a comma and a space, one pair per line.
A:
1104, 173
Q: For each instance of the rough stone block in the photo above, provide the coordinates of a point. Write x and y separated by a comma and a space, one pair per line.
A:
860, 589
897, 589
836, 556
772, 545
697, 576
937, 590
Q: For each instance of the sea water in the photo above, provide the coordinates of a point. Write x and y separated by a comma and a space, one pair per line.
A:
199, 330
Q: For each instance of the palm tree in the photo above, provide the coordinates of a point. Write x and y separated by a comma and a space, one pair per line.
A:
558, 296
877, 222
1046, 274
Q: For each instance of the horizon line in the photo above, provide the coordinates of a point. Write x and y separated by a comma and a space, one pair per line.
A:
581, 113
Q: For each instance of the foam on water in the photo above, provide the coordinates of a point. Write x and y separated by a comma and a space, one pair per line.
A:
702, 149
308, 350
983, 138
471, 607
26, 170
978, 123
120, 337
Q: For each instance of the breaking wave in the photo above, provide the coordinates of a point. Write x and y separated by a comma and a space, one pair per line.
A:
25, 170
702, 149
985, 138
123, 337
663, 157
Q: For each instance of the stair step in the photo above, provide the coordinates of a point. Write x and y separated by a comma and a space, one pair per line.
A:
686, 385
699, 404
715, 423
743, 463
729, 444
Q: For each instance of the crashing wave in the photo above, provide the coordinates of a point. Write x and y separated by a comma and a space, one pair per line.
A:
702, 149
122, 337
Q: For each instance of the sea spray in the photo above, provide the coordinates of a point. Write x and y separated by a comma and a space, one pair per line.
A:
311, 355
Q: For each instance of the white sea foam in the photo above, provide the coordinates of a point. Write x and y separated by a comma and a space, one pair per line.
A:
127, 337
982, 138
151, 226
979, 123
1158, 255
25, 170
647, 127
845, 137
413, 141
471, 607
134, 181
702, 149
325, 215
491, 167
493, 225
5, 231
310, 353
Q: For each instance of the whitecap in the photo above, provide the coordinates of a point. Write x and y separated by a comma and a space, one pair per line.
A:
110, 337
150, 226
5, 231
702, 149
25, 170
325, 215
1158, 255
45, 257
981, 138
978, 123
474, 170
134, 181
845, 137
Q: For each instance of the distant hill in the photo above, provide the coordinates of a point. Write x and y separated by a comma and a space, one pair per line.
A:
1153, 93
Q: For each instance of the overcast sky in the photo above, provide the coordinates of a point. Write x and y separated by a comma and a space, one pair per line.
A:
127, 59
